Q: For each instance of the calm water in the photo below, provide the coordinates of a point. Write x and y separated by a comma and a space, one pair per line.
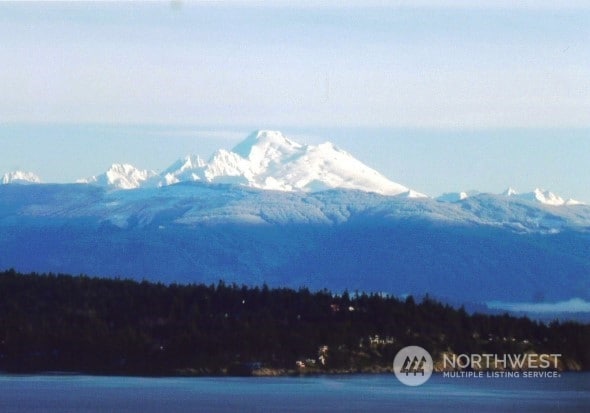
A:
570, 393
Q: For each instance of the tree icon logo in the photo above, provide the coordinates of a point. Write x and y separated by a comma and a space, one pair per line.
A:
413, 365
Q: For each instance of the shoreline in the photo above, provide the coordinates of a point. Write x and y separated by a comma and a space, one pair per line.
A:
269, 373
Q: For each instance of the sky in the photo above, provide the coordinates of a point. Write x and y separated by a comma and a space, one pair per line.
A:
437, 95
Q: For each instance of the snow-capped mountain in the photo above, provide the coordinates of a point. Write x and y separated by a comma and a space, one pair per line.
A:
456, 196
121, 176
20, 177
540, 196
276, 162
264, 160
183, 170
268, 160
276, 211
510, 192
485, 247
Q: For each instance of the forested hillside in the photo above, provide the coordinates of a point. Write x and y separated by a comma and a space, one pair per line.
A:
112, 326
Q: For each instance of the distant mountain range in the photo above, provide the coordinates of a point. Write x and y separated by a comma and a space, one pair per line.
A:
20, 177
264, 160
276, 211
538, 195
269, 160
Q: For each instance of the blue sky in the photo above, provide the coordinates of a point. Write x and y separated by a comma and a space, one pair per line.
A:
439, 96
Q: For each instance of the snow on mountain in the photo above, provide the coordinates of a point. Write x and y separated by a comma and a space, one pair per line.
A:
545, 197
185, 169
510, 192
121, 176
542, 196
20, 177
503, 247
269, 160
264, 160
229, 167
537, 196
456, 196
452, 197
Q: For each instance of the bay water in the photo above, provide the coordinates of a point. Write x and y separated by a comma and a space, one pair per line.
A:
355, 393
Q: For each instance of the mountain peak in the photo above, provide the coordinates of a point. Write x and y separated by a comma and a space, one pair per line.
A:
20, 177
267, 160
186, 163
120, 176
453, 196
541, 196
277, 162
264, 143
546, 197
510, 192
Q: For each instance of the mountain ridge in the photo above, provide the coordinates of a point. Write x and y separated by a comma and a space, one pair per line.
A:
484, 248
271, 161
20, 177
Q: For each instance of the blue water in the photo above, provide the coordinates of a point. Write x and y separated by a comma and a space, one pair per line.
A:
380, 393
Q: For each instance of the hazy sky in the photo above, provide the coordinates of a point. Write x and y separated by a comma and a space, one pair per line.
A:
437, 95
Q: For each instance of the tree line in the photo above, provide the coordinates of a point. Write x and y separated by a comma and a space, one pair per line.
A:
57, 322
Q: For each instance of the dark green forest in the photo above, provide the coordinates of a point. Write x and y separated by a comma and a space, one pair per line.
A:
111, 326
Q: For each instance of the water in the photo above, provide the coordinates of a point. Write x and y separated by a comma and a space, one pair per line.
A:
378, 393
